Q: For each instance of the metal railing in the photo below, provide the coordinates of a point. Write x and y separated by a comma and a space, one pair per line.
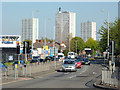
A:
30, 69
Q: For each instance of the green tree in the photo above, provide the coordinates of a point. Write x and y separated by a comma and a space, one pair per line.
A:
30, 42
77, 41
114, 34
91, 43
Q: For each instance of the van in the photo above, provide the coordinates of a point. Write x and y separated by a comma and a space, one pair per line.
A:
60, 56
71, 55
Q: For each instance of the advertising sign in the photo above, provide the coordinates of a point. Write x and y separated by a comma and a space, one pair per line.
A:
52, 51
35, 53
10, 58
45, 47
10, 41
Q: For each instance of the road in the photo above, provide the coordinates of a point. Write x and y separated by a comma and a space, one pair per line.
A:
83, 78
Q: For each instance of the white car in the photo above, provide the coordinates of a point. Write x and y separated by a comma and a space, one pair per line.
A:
60, 56
69, 65
71, 55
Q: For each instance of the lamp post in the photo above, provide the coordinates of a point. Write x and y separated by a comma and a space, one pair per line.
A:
32, 30
76, 46
108, 33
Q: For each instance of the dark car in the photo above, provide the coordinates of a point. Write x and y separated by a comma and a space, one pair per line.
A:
66, 57
3, 66
41, 60
86, 60
48, 58
81, 60
34, 61
19, 63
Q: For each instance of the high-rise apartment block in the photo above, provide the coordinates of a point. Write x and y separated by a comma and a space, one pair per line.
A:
88, 29
65, 25
30, 29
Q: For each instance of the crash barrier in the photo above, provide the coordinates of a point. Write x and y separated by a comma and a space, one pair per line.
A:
30, 69
110, 77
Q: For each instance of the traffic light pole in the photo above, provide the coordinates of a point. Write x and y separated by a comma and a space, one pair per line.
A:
25, 60
113, 62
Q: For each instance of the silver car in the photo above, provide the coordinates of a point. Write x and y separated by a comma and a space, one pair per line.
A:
69, 65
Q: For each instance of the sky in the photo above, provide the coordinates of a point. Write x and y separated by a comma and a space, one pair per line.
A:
14, 12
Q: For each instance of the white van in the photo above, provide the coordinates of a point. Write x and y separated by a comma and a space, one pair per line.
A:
60, 56
71, 54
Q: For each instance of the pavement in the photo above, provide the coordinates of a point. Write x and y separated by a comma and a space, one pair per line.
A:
99, 84
8, 80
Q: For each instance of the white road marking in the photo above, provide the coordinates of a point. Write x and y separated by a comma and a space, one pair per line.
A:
66, 73
72, 76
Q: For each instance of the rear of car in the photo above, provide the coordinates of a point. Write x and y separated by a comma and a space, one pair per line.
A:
35, 60
60, 56
78, 63
69, 65
87, 62
48, 59
71, 55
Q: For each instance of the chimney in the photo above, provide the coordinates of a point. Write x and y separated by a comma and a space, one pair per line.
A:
59, 9
37, 40
41, 40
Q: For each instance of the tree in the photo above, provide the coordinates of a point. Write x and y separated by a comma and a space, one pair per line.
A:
30, 42
114, 34
77, 41
68, 39
91, 43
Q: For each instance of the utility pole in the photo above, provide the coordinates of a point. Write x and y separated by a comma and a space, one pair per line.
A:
108, 35
54, 50
69, 43
76, 46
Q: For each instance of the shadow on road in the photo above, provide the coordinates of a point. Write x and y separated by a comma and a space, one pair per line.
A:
64, 71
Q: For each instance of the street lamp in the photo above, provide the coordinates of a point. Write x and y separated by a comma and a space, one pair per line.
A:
32, 30
76, 46
108, 33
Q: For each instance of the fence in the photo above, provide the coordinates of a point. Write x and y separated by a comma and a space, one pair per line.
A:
110, 77
30, 69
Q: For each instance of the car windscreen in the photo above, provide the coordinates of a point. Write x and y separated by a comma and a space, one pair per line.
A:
70, 54
86, 60
16, 62
60, 55
78, 60
69, 62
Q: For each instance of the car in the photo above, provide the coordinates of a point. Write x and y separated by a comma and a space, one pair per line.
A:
41, 60
48, 58
35, 61
87, 62
71, 54
66, 57
78, 62
19, 63
81, 59
69, 65
3, 66
60, 56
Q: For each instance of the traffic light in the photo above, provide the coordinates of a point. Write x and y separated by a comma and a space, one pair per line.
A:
110, 47
112, 44
18, 49
26, 47
28, 50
